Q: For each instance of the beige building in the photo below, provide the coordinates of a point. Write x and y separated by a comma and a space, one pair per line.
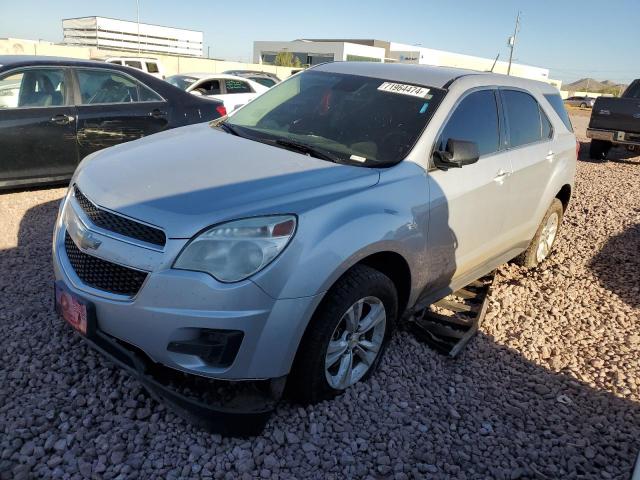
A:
172, 64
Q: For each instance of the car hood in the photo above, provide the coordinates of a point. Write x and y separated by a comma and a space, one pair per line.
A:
188, 178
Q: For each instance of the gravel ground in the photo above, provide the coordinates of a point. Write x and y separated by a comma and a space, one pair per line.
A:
548, 389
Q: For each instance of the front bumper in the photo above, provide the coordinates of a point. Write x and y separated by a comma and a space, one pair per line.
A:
245, 414
175, 306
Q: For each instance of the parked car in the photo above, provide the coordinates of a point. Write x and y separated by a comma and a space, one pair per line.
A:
233, 91
582, 102
152, 66
297, 232
615, 122
55, 111
263, 78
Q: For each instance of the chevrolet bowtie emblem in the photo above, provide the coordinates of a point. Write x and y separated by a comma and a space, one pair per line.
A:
87, 240
83, 238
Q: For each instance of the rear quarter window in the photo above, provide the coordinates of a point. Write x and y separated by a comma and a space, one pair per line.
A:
556, 102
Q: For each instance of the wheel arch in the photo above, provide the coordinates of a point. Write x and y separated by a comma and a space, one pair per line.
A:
390, 263
564, 195
396, 267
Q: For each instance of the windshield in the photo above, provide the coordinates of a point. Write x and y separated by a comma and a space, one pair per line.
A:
181, 81
352, 118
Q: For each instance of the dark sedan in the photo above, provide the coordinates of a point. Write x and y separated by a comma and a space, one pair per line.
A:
55, 111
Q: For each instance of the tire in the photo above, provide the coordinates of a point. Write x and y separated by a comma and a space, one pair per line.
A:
599, 149
310, 380
533, 255
583, 105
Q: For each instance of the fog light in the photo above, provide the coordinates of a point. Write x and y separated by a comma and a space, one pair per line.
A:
215, 347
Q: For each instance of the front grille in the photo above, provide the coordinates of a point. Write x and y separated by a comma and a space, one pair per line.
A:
101, 274
116, 223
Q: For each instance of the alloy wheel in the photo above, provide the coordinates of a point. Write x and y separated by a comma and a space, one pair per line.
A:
547, 237
355, 343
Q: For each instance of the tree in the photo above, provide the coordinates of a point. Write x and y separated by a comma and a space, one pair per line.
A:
286, 59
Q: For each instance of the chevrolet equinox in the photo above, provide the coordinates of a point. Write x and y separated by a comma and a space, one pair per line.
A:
287, 240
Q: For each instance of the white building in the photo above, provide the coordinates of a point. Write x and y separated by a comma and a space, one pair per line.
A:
314, 51
428, 56
109, 33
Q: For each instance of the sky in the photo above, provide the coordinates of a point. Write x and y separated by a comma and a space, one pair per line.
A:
574, 39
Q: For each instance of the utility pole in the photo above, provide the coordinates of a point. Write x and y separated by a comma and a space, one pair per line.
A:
138, 22
512, 42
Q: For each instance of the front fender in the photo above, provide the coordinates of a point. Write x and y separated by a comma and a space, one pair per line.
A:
391, 216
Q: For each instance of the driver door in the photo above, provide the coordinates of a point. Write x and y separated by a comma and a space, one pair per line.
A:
468, 205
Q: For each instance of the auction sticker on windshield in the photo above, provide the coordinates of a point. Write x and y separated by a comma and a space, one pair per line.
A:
404, 89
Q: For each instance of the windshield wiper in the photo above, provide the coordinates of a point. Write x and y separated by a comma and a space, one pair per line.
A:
307, 149
229, 129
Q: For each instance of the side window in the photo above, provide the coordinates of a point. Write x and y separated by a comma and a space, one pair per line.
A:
475, 119
33, 87
210, 87
134, 64
547, 128
106, 86
633, 90
523, 115
237, 86
152, 67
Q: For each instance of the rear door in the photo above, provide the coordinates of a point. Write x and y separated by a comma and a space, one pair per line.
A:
532, 158
114, 107
238, 93
469, 204
37, 125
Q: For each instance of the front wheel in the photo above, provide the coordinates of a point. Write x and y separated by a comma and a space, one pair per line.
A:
347, 336
545, 237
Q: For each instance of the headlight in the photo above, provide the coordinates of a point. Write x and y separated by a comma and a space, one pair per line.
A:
236, 250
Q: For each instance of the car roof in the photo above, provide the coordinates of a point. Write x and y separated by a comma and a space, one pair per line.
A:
203, 75
428, 75
250, 72
131, 58
11, 60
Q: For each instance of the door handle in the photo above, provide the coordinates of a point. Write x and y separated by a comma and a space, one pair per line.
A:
550, 156
62, 119
157, 113
501, 175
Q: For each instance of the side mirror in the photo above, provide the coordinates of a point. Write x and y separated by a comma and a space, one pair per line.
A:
457, 154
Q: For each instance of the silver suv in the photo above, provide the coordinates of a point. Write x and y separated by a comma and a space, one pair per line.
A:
289, 239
